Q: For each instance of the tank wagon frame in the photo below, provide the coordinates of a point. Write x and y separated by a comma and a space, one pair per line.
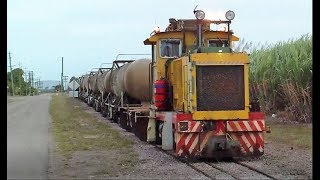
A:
192, 97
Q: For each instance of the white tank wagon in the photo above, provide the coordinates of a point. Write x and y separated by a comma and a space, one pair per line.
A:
106, 82
101, 87
80, 82
86, 83
117, 80
129, 87
84, 87
136, 80
132, 79
100, 79
93, 86
120, 92
90, 87
80, 86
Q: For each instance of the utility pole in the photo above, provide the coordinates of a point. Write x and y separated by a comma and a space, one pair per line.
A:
26, 79
65, 78
32, 81
29, 82
20, 88
11, 74
32, 85
61, 75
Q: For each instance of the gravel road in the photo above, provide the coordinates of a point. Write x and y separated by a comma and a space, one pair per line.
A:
27, 137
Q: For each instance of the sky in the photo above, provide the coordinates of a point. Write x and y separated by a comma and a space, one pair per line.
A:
88, 33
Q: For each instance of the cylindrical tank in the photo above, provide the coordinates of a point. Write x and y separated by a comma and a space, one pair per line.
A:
136, 80
107, 82
131, 78
93, 82
86, 83
81, 82
100, 81
117, 80
161, 95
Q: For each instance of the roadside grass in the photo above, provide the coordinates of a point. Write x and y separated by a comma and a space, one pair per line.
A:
76, 130
9, 100
296, 135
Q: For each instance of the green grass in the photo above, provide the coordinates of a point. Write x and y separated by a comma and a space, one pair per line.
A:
290, 60
296, 135
76, 130
9, 100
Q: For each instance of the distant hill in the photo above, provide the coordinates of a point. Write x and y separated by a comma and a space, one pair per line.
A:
49, 83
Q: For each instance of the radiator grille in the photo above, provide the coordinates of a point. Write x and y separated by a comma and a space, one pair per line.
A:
220, 87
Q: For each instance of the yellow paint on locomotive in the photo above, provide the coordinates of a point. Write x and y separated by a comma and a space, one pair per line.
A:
218, 59
190, 40
181, 72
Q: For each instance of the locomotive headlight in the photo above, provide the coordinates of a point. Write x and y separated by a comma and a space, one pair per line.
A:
156, 30
199, 14
230, 15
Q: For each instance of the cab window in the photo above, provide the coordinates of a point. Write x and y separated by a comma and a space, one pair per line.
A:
170, 48
217, 42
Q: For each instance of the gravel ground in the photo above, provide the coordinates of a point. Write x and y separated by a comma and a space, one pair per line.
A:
153, 164
280, 161
284, 162
238, 171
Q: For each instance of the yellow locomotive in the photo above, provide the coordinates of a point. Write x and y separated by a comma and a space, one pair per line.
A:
195, 92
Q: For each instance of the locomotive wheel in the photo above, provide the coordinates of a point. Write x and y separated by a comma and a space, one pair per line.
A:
128, 126
94, 104
90, 102
131, 123
123, 121
158, 132
115, 118
107, 113
97, 107
141, 128
103, 111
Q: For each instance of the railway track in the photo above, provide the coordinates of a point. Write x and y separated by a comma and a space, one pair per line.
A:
255, 169
184, 161
239, 170
223, 170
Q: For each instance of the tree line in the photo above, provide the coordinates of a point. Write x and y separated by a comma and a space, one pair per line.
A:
20, 86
